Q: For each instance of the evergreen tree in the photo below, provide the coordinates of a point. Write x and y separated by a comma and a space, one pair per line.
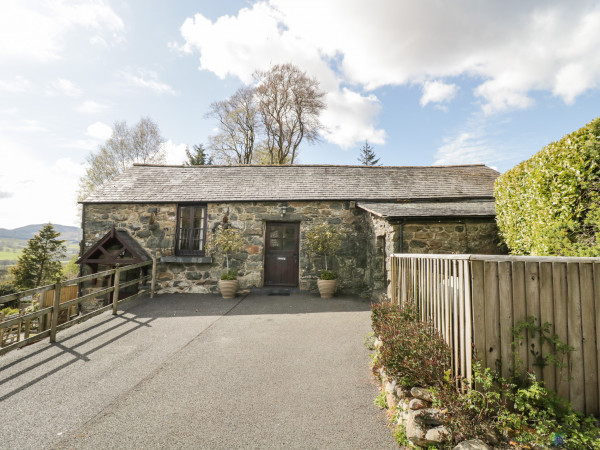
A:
367, 155
198, 158
39, 264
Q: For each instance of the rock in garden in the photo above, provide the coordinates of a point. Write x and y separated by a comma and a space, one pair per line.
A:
401, 393
421, 393
437, 434
415, 432
390, 387
392, 400
473, 444
417, 403
429, 417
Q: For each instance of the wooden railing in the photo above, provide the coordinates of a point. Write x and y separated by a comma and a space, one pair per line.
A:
16, 331
475, 301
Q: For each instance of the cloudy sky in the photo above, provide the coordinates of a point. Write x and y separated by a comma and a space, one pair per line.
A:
426, 82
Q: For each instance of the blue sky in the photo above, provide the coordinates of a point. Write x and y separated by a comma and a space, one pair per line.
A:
425, 82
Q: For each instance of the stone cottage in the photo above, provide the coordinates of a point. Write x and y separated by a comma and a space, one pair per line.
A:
172, 211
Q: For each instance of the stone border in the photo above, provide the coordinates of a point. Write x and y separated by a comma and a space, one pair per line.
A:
413, 409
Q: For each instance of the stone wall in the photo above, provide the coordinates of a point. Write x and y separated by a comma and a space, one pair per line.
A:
153, 225
476, 236
362, 264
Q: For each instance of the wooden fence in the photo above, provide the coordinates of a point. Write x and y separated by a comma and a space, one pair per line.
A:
475, 301
16, 332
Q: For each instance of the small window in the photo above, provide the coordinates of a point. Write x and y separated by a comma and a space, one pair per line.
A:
191, 230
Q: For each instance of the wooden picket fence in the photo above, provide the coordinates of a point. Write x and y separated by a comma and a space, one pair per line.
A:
475, 301
61, 299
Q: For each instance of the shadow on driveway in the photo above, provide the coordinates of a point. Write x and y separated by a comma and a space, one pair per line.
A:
199, 371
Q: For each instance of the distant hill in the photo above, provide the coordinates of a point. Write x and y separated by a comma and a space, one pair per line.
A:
67, 232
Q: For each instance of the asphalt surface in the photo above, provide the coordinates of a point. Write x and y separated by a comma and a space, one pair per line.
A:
198, 371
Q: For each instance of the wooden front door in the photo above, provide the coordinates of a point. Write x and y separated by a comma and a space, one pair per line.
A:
281, 254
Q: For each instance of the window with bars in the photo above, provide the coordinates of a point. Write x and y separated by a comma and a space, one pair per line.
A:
190, 235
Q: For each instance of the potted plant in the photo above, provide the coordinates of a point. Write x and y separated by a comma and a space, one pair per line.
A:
228, 240
325, 240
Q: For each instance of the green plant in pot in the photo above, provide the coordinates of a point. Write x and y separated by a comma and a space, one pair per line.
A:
227, 240
324, 240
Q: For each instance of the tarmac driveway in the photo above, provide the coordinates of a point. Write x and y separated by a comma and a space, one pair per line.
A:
198, 371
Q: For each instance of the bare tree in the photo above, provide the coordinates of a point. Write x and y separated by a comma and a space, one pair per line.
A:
238, 125
141, 143
289, 103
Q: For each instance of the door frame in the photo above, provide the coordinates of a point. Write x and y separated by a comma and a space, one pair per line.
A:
296, 224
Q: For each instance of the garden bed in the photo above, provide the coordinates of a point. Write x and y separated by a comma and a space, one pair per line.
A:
427, 407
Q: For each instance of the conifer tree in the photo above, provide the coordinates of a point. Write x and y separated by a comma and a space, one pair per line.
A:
367, 155
39, 264
200, 156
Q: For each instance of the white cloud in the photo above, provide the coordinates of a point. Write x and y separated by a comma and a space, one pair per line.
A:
28, 126
64, 87
99, 131
508, 49
148, 79
465, 148
477, 143
39, 192
257, 38
175, 153
437, 92
18, 84
91, 107
39, 29
349, 117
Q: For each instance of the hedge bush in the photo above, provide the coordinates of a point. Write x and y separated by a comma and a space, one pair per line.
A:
412, 352
550, 203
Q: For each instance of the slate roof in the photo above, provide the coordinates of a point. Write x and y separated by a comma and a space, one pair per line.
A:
165, 184
138, 253
471, 208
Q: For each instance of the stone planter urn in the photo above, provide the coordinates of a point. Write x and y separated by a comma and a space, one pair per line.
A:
326, 288
228, 288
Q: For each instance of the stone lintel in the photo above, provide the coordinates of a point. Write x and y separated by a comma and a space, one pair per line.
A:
187, 259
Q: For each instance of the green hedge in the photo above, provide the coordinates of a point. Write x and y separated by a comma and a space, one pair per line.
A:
550, 204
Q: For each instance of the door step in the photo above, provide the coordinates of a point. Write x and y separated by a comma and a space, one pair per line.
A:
276, 291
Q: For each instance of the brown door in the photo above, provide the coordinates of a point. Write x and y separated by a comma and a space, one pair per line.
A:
281, 254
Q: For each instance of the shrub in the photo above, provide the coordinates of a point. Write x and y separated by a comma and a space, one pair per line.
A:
9, 311
520, 411
229, 275
328, 275
7, 288
412, 351
228, 240
323, 240
528, 415
549, 204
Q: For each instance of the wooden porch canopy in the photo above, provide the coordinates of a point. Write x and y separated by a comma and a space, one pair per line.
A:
116, 247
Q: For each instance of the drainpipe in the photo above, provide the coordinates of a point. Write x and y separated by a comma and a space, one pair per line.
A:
401, 236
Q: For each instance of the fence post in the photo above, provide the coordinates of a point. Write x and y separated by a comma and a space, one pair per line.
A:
55, 310
153, 281
116, 291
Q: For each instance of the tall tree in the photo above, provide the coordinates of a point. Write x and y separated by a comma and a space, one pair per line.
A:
238, 123
367, 156
200, 156
142, 143
266, 124
290, 104
39, 263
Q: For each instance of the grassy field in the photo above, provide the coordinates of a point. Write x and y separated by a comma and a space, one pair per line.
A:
11, 248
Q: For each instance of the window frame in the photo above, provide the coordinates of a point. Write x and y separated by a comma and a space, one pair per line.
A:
189, 250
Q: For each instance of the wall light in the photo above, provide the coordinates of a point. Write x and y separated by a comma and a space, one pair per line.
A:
283, 210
